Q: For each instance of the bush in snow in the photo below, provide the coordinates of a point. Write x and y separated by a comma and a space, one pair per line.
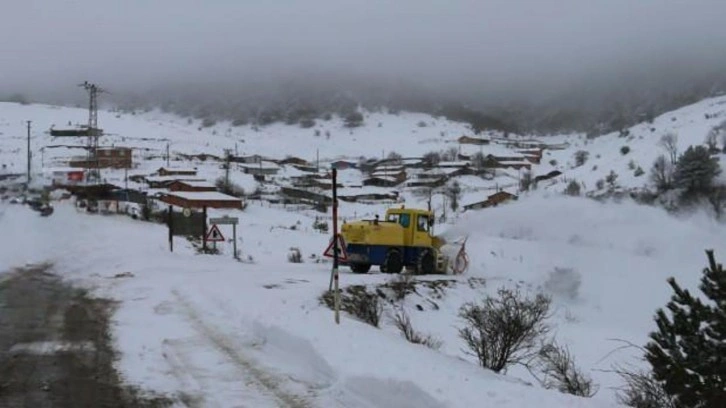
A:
526, 181
638, 172
581, 157
431, 159
661, 174
564, 282
611, 179
320, 225
642, 390
228, 187
504, 330
560, 372
403, 323
357, 301
353, 119
625, 150
573, 188
294, 256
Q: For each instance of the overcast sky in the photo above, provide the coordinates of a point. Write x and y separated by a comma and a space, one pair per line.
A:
451, 44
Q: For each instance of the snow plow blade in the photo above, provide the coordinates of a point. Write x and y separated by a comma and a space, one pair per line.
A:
453, 259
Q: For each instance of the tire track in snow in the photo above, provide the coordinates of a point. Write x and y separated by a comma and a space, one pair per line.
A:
262, 380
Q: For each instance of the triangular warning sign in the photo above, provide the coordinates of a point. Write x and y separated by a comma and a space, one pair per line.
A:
214, 234
342, 254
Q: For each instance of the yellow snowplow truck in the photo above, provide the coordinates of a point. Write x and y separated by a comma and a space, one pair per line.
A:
403, 239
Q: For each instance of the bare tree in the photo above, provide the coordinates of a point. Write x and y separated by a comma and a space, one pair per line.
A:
526, 181
712, 140
505, 330
717, 199
661, 174
669, 142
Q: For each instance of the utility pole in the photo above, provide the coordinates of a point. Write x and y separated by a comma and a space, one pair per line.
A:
167, 154
227, 155
30, 154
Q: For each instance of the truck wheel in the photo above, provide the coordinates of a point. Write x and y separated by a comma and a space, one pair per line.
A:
360, 268
393, 262
426, 263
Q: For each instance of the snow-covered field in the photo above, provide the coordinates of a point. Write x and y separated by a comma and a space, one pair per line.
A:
227, 332
254, 333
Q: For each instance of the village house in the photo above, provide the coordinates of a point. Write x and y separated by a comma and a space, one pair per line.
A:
108, 157
201, 199
165, 181
176, 171
473, 140
263, 168
491, 201
187, 185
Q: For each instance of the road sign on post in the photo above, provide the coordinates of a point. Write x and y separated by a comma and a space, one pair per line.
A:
214, 234
227, 220
224, 220
330, 251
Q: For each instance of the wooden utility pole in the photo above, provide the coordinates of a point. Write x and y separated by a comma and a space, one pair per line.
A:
167, 155
336, 283
227, 158
30, 154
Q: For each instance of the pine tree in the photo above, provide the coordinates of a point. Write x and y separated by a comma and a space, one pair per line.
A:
688, 351
695, 170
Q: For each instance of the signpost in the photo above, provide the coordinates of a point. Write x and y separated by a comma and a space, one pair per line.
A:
340, 244
226, 220
335, 239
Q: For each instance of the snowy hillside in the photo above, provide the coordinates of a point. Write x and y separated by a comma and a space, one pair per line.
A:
690, 124
256, 332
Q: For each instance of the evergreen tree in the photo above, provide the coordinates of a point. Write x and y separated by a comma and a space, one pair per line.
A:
688, 351
695, 170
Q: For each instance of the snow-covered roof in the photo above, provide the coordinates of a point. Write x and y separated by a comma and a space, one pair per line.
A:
194, 183
181, 169
203, 195
453, 164
162, 179
262, 165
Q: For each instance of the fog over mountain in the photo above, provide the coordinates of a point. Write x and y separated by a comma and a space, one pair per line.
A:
534, 64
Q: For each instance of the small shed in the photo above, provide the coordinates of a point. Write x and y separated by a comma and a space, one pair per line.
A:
200, 199
186, 185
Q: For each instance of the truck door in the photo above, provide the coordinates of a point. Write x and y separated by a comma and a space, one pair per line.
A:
405, 221
421, 235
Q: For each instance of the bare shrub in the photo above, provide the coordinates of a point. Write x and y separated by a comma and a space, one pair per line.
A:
504, 330
573, 188
581, 157
642, 390
403, 322
294, 256
526, 181
357, 301
564, 282
402, 284
561, 373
